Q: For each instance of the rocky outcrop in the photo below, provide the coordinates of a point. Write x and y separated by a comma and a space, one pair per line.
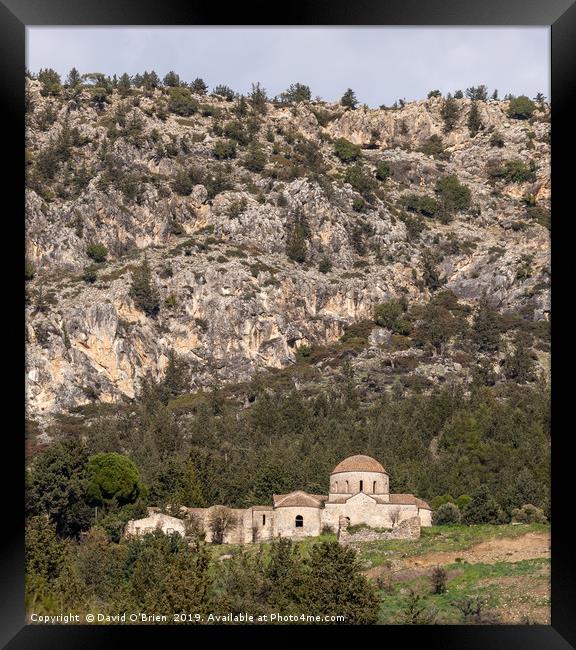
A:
232, 302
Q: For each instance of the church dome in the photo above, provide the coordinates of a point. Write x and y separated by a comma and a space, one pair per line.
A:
359, 463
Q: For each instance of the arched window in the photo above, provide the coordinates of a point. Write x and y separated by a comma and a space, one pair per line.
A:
374, 487
263, 520
347, 487
336, 486
299, 523
361, 486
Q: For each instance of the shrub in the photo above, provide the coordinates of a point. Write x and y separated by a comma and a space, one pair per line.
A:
383, 171
434, 147
521, 108
497, 140
224, 149
90, 275
360, 181
235, 131
447, 513
434, 93
391, 314
438, 580
29, 271
325, 265
255, 159
452, 193
529, 514
346, 151
97, 252
424, 205
512, 171
181, 102
540, 215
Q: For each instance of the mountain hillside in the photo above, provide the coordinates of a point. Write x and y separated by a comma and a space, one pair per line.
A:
398, 248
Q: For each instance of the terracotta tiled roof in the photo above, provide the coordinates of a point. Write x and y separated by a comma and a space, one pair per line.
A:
359, 463
298, 499
409, 500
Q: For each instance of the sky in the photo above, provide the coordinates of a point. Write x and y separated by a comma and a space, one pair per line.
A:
381, 64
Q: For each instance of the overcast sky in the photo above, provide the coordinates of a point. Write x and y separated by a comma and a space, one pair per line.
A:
381, 64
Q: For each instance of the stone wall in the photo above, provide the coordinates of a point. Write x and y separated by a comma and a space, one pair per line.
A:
346, 483
408, 529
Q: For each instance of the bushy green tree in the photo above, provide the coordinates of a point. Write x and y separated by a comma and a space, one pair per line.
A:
392, 315
51, 83
453, 194
112, 478
171, 80
362, 182
346, 151
482, 508
224, 150
297, 93
486, 328
224, 91
29, 271
181, 102
199, 86
57, 486
334, 585
521, 108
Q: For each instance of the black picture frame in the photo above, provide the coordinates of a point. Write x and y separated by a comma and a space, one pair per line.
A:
15, 15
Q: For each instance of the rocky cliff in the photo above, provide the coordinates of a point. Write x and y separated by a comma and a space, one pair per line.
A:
263, 244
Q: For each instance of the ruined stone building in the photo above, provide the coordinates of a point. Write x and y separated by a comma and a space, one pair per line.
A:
358, 494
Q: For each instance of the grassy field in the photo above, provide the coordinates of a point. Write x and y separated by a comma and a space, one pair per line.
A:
505, 570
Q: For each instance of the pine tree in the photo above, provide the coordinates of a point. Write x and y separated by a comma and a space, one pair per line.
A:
349, 100
143, 291
199, 87
474, 122
450, 112
73, 79
171, 79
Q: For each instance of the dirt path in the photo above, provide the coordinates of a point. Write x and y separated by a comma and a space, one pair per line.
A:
527, 547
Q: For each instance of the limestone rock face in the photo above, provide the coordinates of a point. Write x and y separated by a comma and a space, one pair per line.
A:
232, 302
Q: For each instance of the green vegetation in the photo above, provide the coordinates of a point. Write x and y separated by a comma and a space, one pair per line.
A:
450, 113
349, 100
298, 231
181, 102
346, 151
435, 147
512, 171
392, 315
143, 290
97, 252
383, 171
521, 108
224, 149
454, 195
297, 93
29, 271
112, 479
474, 122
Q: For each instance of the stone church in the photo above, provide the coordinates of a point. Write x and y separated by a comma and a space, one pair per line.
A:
359, 494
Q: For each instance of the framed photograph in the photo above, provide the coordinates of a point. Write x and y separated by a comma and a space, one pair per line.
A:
287, 322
